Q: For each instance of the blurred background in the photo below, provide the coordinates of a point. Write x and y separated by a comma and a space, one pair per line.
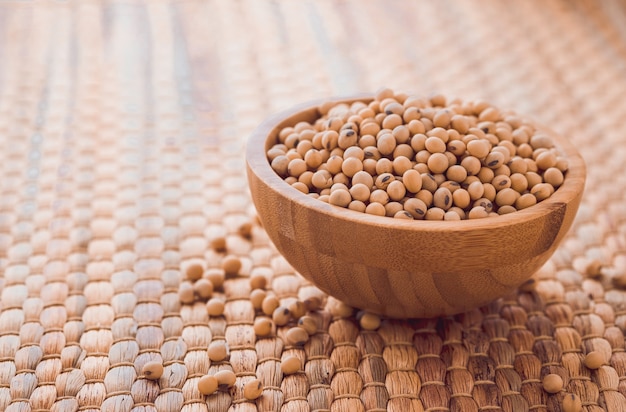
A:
122, 130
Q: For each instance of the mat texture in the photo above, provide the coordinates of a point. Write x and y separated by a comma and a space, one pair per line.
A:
122, 128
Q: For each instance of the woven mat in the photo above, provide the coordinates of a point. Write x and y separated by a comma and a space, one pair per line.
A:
122, 127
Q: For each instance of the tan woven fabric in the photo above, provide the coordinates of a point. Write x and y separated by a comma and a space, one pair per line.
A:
122, 127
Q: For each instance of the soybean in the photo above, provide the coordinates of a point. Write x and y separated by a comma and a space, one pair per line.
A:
203, 288
442, 198
452, 215
401, 162
435, 145
215, 307
375, 208
384, 180
369, 321
416, 207
296, 309
218, 350
478, 212
506, 197
253, 389
360, 192
357, 205
338, 308
403, 214
572, 403
456, 173
152, 370
297, 336
186, 293
471, 164
552, 383
363, 178
438, 163
340, 198
386, 144
396, 191
225, 378
379, 196
194, 272
290, 365
525, 200
435, 213
393, 208
231, 265
553, 176
269, 305
428, 182
594, 360
258, 281
322, 179
219, 244
312, 303
461, 198
351, 166
245, 229
208, 384
257, 296
412, 180
478, 148
542, 191
262, 327
281, 315
308, 324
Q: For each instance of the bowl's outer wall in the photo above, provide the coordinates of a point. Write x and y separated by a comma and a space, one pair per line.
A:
408, 274
403, 271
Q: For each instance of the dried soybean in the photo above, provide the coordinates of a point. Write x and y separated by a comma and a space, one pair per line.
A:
552, 383
208, 384
253, 389
152, 370
290, 365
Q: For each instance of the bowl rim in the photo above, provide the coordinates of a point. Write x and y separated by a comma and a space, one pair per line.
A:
257, 163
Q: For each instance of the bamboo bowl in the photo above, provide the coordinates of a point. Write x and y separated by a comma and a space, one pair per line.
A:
399, 268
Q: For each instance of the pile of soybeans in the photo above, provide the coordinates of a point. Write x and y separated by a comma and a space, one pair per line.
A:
411, 157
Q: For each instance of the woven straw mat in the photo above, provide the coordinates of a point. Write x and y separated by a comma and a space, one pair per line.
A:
122, 128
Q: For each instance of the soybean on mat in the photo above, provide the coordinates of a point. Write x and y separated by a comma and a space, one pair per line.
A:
122, 126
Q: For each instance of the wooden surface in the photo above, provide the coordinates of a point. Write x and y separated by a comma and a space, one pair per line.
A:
406, 269
123, 126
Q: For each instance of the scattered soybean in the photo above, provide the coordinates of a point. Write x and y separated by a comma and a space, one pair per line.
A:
290, 365
208, 384
253, 389
552, 383
152, 370
594, 360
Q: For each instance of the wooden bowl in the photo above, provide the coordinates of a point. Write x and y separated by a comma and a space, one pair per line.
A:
401, 268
